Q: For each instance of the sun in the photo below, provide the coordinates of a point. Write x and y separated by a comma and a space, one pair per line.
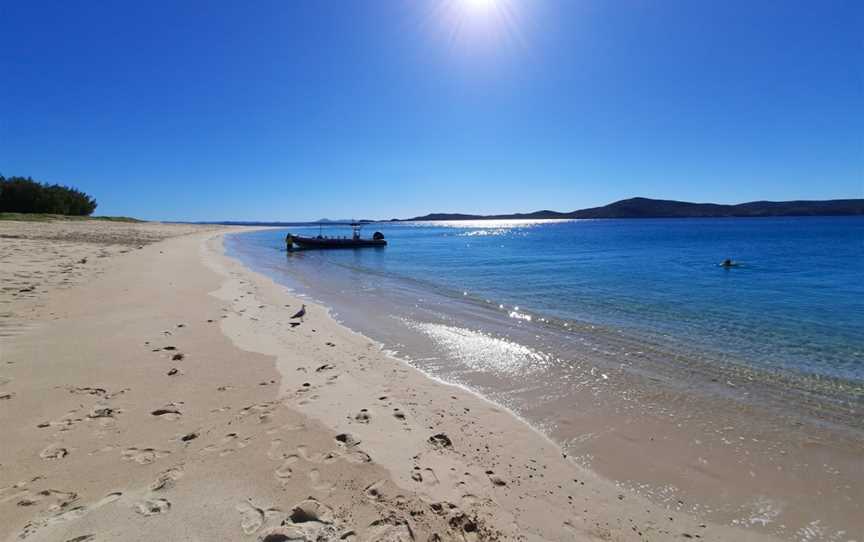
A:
479, 5
472, 26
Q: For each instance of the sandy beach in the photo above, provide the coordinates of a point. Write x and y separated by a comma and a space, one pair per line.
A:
430, 271
152, 388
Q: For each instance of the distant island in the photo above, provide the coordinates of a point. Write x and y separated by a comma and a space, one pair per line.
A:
342, 221
625, 208
657, 208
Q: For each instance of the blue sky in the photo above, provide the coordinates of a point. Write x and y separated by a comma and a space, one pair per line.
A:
293, 110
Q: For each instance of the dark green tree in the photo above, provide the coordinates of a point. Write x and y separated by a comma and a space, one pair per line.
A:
24, 195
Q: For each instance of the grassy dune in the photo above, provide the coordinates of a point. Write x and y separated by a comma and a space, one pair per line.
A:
43, 217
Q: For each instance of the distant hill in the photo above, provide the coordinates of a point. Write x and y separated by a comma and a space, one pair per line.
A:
652, 208
341, 221
322, 222
457, 216
655, 208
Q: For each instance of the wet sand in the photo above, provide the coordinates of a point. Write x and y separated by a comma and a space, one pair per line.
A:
165, 393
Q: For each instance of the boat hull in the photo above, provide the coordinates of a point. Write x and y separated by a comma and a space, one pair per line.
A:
315, 243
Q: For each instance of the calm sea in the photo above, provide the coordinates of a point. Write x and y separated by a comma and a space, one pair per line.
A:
795, 303
610, 333
490, 303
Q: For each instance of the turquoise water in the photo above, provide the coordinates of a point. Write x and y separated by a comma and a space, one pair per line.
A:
795, 304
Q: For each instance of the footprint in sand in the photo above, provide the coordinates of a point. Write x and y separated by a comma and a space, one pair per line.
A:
311, 399
262, 410
167, 479
303, 451
347, 440
229, 444
102, 412
61, 499
252, 518
143, 456
374, 492
302, 533
87, 390
390, 529
348, 450
168, 413
317, 483
465, 526
64, 424
311, 510
495, 479
273, 453
117, 393
350, 455
152, 507
68, 515
440, 441
425, 476
284, 471
188, 437
468, 482
15, 491
54, 451
357, 456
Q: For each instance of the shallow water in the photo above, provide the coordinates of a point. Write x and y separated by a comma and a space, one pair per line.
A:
610, 334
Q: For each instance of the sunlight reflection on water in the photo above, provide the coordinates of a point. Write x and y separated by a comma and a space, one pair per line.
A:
483, 352
487, 224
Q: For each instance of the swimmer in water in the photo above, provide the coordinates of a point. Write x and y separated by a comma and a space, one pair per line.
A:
728, 263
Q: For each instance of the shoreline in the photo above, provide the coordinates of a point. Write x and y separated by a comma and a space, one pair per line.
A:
803, 475
515, 424
165, 395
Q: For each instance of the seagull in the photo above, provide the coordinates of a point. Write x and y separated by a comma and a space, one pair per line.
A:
300, 314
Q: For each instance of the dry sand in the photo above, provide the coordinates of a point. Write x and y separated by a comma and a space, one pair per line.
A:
153, 389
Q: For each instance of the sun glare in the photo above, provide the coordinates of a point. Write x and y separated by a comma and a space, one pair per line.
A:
479, 5
479, 24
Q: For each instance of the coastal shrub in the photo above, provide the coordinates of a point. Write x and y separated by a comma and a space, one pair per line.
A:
24, 195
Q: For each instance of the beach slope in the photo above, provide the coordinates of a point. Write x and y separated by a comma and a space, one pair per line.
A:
153, 389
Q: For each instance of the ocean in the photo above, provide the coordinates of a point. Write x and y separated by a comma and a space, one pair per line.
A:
795, 303
586, 327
